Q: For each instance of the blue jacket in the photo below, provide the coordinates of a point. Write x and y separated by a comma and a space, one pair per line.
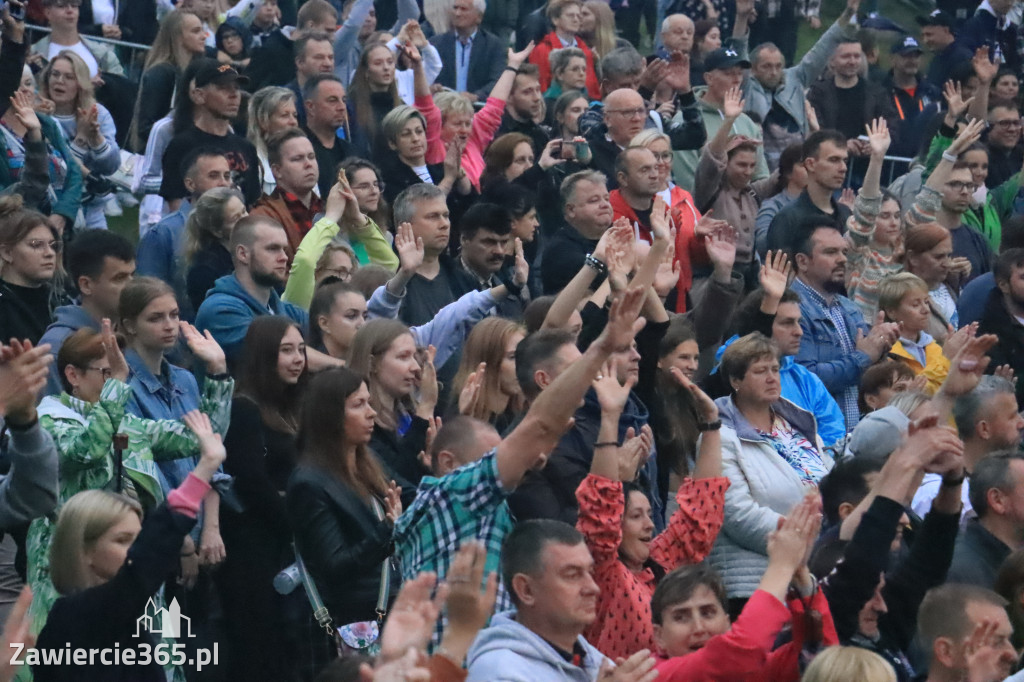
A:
229, 309
804, 389
821, 350
69, 198
159, 251
67, 320
974, 297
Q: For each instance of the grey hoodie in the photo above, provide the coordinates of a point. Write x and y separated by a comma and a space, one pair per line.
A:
509, 652
68, 319
30, 489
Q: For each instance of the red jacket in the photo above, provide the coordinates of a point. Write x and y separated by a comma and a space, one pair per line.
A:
688, 250
745, 652
541, 56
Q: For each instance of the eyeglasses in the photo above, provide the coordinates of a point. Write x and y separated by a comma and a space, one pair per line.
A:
958, 186
340, 273
60, 76
105, 371
42, 244
663, 156
630, 113
367, 186
1007, 123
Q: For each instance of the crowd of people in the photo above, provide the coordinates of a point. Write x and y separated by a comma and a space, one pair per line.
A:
465, 341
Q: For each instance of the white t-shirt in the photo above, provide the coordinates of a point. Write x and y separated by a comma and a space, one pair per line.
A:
81, 50
423, 174
103, 12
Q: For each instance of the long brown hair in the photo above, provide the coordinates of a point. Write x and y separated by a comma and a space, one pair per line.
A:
322, 441
486, 343
257, 377
371, 342
499, 156
359, 92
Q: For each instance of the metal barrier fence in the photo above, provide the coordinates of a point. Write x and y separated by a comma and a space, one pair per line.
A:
892, 168
132, 55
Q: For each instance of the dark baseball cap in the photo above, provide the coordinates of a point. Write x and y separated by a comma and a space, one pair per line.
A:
724, 58
908, 45
212, 71
937, 18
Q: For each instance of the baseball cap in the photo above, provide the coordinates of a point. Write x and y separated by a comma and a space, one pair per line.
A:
878, 434
724, 58
937, 18
212, 71
908, 45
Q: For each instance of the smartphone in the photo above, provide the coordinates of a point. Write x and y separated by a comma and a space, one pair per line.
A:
568, 150
582, 151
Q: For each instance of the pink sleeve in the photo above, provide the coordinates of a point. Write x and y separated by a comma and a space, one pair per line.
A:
692, 530
486, 123
740, 653
186, 498
435, 148
600, 517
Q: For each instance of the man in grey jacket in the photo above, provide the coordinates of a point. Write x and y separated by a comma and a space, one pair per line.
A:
29, 490
775, 95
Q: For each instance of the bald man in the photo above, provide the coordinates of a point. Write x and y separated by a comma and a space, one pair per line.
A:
625, 115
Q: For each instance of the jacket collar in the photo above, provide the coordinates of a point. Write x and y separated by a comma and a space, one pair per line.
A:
802, 420
152, 383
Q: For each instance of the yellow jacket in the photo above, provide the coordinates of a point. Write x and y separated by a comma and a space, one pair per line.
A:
936, 365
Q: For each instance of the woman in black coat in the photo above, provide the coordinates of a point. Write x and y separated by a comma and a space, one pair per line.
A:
108, 580
341, 507
261, 641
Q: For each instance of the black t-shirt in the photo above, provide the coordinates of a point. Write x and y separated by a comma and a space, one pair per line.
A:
328, 160
241, 155
850, 112
424, 297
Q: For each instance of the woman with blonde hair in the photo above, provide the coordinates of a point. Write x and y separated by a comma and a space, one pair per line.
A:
109, 565
207, 239
597, 27
848, 664
485, 386
180, 39
88, 128
271, 110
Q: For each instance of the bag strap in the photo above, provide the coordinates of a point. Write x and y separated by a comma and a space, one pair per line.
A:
320, 612
385, 570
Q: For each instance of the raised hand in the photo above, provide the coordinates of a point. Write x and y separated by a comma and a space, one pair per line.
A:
411, 619
707, 410
677, 73
470, 598
968, 366
409, 248
23, 373
775, 272
661, 219
732, 105
337, 201
633, 452
721, 246
988, 656
517, 59
351, 214
118, 365
393, 502
667, 276
412, 53
205, 347
812, 116
955, 103
1006, 372
879, 338
211, 448
956, 340
847, 198
984, 67
653, 74
878, 137
428, 385
789, 545
433, 426
968, 136
708, 225
522, 266
21, 105
611, 395
637, 668
470, 394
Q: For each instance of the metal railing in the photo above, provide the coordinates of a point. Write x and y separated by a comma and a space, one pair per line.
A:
131, 55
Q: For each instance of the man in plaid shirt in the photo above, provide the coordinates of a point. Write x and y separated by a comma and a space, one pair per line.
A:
467, 501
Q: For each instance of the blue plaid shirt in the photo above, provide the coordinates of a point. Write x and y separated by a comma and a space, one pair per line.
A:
467, 504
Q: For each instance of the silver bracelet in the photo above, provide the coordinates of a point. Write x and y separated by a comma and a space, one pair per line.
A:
949, 157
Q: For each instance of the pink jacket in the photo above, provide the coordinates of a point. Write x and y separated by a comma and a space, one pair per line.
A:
485, 124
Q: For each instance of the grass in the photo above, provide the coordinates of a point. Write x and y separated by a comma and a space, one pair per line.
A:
126, 225
902, 12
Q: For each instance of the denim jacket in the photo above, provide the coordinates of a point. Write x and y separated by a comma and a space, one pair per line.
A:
821, 350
